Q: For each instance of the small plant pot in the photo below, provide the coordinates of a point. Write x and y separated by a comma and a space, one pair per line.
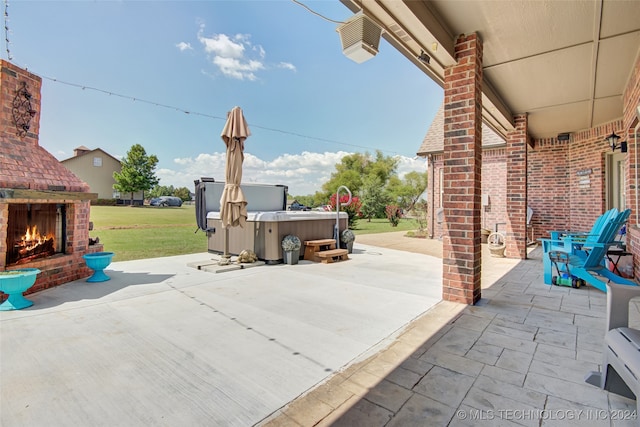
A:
14, 283
291, 257
348, 246
98, 261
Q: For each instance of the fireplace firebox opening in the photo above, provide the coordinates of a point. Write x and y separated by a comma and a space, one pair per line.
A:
35, 230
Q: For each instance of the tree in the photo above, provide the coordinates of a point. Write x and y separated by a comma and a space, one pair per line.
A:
184, 193
352, 179
161, 190
407, 192
373, 198
137, 172
353, 169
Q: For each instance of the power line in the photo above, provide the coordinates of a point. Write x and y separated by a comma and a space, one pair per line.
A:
211, 116
316, 13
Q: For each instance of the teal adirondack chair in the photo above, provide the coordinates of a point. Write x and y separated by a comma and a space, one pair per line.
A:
574, 243
569, 241
591, 267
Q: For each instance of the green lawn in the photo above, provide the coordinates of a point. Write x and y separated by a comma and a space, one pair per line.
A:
148, 232
380, 225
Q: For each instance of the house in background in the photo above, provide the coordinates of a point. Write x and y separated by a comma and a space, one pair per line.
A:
494, 176
96, 168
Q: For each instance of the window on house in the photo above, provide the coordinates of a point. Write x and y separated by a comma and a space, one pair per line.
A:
97, 161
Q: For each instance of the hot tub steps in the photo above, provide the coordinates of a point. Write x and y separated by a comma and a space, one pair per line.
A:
324, 251
332, 255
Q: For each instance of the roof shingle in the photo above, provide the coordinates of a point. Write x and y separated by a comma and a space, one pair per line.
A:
433, 141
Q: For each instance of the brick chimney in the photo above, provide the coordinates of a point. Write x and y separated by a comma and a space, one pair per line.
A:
23, 163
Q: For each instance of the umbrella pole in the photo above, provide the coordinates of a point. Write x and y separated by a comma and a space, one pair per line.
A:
226, 258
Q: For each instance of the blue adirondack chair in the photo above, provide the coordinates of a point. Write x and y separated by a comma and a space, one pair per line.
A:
591, 267
574, 243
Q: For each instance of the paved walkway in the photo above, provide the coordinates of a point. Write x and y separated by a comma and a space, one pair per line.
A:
519, 357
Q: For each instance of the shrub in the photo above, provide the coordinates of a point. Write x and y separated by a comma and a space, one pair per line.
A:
353, 210
103, 202
393, 214
422, 211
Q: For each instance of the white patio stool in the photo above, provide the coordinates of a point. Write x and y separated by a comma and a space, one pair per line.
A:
621, 353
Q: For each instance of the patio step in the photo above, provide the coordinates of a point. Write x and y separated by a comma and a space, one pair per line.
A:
332, 255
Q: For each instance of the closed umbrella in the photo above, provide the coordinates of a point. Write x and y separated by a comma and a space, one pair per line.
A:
233, 205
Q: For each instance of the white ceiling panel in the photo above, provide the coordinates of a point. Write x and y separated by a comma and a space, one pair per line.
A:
565, 62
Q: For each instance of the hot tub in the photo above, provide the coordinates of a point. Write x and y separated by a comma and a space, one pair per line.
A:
264, 231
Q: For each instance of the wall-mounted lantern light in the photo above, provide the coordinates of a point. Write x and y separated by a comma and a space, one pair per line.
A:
613, 143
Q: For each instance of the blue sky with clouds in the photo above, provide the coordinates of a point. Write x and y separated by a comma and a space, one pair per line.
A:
163, 74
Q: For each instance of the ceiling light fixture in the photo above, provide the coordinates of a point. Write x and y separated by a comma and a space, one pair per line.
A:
613, 143
360, 37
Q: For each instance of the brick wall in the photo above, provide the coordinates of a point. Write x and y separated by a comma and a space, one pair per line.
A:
547, 185
567, 180
494, 178
555, 193
631, 99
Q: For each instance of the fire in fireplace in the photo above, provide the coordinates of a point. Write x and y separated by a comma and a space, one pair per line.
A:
35, 230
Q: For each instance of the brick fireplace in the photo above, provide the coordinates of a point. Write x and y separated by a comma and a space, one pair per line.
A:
44, 207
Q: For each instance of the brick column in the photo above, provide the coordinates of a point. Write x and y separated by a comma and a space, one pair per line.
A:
462, 256
516, 236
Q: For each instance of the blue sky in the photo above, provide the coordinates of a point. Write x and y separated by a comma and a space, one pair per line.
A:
153, 61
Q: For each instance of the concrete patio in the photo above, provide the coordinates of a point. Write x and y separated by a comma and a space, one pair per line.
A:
363, 342
517, 358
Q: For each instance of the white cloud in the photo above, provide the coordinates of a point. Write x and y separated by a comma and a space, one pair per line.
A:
182, 46
303, 173
236, 56
287, 66
220, 45
237, 69
408, 164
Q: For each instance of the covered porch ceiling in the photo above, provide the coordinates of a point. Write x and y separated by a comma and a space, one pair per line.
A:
565, 63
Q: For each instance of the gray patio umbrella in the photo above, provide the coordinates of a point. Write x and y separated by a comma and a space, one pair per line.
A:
233, 205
